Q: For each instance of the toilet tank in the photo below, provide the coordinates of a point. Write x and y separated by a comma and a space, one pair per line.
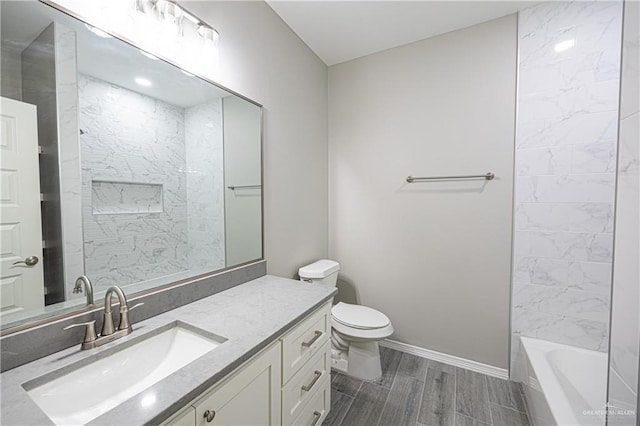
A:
324, 272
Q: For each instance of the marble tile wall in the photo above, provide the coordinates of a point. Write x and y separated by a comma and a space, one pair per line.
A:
117, 146
205, 185
565, 167
625, 328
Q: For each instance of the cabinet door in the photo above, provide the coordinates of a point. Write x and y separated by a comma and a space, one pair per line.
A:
250, 397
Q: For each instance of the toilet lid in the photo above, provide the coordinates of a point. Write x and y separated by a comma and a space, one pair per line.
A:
357, 316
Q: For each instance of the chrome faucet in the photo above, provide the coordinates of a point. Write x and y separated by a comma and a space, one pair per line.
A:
108, 334
88, 288
107, 324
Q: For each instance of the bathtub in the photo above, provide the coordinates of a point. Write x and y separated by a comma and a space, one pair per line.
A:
564, 385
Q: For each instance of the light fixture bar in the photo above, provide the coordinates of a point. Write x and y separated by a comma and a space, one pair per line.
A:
190, 17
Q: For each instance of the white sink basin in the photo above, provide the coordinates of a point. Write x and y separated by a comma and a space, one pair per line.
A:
83, 394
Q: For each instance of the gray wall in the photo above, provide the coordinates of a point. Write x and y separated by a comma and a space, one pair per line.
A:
434, 257
625, 317
262, 58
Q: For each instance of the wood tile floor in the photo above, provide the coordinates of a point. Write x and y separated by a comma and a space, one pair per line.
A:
416, 391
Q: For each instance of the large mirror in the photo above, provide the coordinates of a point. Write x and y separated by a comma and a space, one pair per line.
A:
115, 165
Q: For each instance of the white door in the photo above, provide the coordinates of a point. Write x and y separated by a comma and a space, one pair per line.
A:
21, 276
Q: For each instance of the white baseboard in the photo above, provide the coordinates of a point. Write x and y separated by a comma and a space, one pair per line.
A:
490, 370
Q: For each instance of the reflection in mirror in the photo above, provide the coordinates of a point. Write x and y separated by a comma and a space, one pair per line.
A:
115, 165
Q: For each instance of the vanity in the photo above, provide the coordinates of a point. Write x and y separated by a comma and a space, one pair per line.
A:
271, 366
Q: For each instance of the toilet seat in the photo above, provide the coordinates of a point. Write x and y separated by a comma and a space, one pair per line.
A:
357, 334
360, 317
360, 323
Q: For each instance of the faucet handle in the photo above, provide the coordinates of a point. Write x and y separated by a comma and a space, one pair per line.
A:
124, 316
89, 332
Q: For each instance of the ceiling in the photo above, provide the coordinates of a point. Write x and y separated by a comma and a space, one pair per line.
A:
338, 31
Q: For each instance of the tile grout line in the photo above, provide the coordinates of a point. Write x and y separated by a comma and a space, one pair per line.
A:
486, 383
424, 387
386, 400
526, 404
473, 418
455, 394
346, 410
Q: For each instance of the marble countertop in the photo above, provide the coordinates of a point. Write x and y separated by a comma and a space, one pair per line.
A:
250, 316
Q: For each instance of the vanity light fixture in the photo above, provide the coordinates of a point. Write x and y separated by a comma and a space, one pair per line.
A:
208, 33
97, 32
190, 17
169, 9
171, 13
564, 45
143, 81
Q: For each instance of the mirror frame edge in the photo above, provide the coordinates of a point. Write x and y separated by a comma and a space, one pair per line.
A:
27, 325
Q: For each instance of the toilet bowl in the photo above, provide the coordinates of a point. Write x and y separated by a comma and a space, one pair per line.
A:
355, 329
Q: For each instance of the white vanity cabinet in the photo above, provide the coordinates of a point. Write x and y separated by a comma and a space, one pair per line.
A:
287, 383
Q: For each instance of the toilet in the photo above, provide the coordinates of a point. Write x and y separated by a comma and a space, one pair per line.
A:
355, 329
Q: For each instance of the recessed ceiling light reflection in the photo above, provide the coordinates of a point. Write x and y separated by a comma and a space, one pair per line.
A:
148, 400
564, 45
148, 55
143, 82
97, 32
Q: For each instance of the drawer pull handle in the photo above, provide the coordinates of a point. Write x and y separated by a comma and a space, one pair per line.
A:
209, 415
308, 387
316, 417
312, 341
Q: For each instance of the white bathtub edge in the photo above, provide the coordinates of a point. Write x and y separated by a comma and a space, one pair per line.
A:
542, 385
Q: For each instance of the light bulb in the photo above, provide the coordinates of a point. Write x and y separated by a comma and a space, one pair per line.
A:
564, 45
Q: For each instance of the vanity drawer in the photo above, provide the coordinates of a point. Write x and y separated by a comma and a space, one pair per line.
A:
314, 413
300, 344
302, 387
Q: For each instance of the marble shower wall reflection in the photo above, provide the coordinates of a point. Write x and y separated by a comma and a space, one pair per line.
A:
569, 55
146, 165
